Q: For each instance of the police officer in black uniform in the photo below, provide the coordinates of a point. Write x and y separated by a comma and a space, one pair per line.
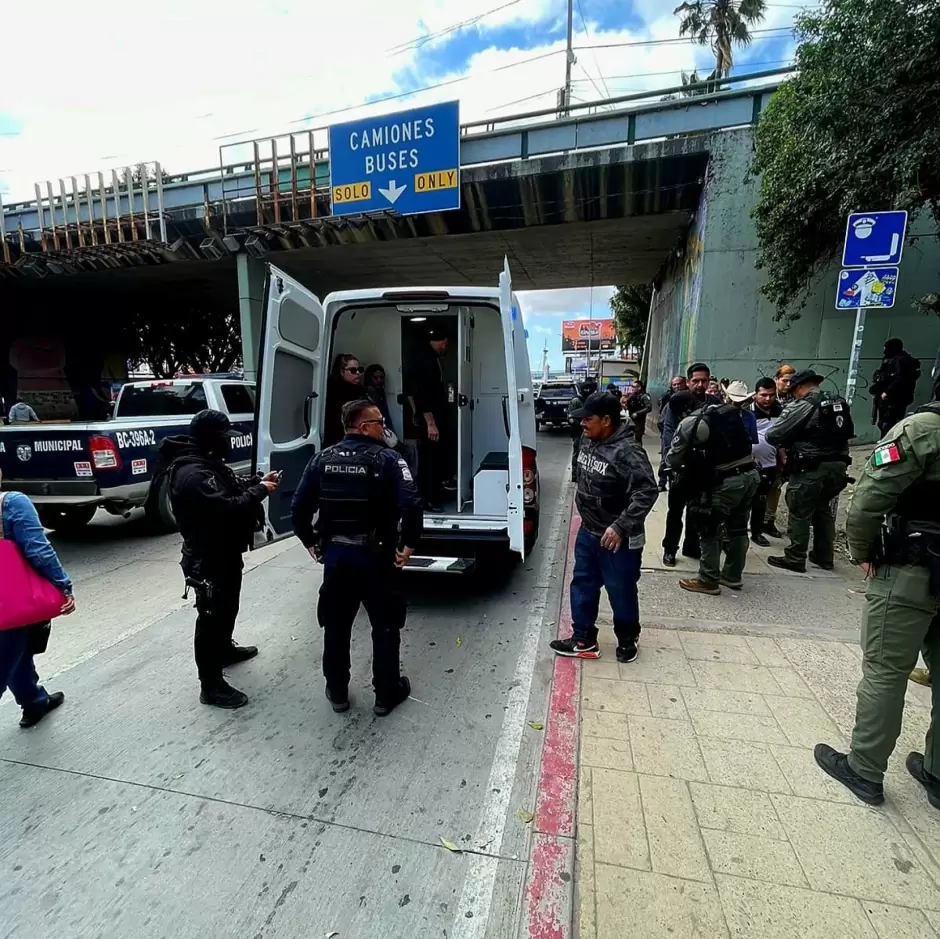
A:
361, 491
217, 513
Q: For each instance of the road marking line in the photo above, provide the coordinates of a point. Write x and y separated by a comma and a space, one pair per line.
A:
476, 898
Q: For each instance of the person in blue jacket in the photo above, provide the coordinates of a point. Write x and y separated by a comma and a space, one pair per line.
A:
17, 669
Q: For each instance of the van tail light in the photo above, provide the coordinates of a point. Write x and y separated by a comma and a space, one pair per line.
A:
104, 453
530, 477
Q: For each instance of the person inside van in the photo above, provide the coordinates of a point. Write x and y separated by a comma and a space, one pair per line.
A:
432, 414
374, 384
345, 385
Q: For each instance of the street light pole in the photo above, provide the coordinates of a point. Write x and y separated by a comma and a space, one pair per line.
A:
569, 57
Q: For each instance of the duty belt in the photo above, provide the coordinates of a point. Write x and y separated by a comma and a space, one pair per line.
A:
734, 471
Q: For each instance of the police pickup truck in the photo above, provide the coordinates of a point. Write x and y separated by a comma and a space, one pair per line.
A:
70, 470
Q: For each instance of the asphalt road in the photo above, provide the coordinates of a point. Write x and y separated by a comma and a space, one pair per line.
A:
134, 810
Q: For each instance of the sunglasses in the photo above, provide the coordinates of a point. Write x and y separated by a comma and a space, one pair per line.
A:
374, 420
355, 369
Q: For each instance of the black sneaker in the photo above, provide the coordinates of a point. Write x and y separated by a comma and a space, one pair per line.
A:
238, 654
449, 485
385, 704
771, 530
627, 652
223, 695
760, 541
32, 716
915, 766
339, 702
825, 565
784, 563
669, 559
837, 766
430, 506
575, 649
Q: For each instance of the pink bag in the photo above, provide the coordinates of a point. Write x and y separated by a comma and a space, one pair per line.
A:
26, 597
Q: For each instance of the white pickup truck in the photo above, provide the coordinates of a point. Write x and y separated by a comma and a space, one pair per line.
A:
70, 470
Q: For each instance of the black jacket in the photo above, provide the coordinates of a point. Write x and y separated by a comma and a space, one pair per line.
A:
897, 378
217, 511
426, 383
393, 477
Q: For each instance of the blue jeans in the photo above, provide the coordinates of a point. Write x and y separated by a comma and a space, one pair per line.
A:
618, 573
17, 671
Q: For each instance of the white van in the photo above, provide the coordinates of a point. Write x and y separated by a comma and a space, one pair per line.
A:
495, 508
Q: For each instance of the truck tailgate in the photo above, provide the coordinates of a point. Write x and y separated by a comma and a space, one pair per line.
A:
34, 452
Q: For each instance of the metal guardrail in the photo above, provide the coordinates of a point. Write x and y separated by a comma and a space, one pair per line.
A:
274, 177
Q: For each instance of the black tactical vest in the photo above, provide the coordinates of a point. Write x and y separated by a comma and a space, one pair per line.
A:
728, 439
830, 427
349, 494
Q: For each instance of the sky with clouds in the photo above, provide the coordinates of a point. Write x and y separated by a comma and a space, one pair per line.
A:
104, 83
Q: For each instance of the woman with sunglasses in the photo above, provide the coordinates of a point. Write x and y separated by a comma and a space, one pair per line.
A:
345, 385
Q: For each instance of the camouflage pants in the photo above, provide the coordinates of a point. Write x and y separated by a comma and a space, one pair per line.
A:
900, 619
810, 496
726, 514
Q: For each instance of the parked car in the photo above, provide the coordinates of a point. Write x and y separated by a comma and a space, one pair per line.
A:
551, 403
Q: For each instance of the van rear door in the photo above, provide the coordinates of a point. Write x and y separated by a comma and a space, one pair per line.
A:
508, 314
290, 375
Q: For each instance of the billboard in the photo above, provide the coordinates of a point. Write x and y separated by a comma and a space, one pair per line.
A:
588, 336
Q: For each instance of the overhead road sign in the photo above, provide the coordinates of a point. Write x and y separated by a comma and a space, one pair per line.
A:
874, 239
409, 162
874, 288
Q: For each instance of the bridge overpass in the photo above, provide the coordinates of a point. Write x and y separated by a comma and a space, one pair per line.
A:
596, 197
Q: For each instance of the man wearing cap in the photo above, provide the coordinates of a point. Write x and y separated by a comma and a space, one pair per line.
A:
428, 389
815, 429
893, 534
712, 447
616, 491
217, 513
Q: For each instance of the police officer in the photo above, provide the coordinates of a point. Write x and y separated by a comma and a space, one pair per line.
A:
712, 450
585, 390
815, 429
361, 490
893, 531
217, 513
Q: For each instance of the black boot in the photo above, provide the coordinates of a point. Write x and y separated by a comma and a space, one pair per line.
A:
32, 716
826, 566
784, 563
386, 703
221, 694
339, 702
915, 766
238, 654
837, 766
760, 540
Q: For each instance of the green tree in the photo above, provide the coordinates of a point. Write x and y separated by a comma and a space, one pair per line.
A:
722, 25
631, 308
857, 128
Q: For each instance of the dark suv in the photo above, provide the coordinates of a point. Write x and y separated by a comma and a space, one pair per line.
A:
551, 403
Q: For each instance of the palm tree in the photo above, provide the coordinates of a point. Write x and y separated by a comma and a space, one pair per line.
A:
721, 24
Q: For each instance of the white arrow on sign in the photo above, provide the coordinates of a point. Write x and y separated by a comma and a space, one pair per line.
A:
393, 192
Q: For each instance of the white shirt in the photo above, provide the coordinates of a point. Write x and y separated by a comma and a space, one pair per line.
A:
765, 454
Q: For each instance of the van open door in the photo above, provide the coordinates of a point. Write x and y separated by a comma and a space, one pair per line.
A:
464, 409
290, 375
507, 314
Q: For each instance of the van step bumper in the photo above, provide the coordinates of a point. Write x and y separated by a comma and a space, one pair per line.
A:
440, 565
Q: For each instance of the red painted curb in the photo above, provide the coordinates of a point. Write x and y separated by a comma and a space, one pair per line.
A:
549, 885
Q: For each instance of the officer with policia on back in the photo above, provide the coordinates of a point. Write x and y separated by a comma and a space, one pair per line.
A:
893, 532
218, 514
711, 452
369, 522
815, 429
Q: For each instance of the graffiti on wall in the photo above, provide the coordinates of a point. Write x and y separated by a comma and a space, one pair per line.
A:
692, 280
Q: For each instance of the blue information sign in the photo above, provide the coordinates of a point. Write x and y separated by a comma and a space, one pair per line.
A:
873, 288
874, 238
409, 162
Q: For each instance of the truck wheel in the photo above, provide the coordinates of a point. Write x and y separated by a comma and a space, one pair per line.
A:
158, 508
64, 519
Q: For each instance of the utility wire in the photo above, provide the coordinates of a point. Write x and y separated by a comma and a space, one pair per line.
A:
587, 36
447, 30
670, 42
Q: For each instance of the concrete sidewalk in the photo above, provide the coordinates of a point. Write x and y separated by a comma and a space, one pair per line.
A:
701, 812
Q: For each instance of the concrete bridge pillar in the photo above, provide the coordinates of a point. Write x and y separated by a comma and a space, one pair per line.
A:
250, 309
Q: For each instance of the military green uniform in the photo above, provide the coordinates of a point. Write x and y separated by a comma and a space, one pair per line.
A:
901, 481
818, 459
717, 435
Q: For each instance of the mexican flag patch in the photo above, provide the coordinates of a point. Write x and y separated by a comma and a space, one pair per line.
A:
889, 453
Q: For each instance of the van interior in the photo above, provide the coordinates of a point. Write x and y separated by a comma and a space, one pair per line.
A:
474, 370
